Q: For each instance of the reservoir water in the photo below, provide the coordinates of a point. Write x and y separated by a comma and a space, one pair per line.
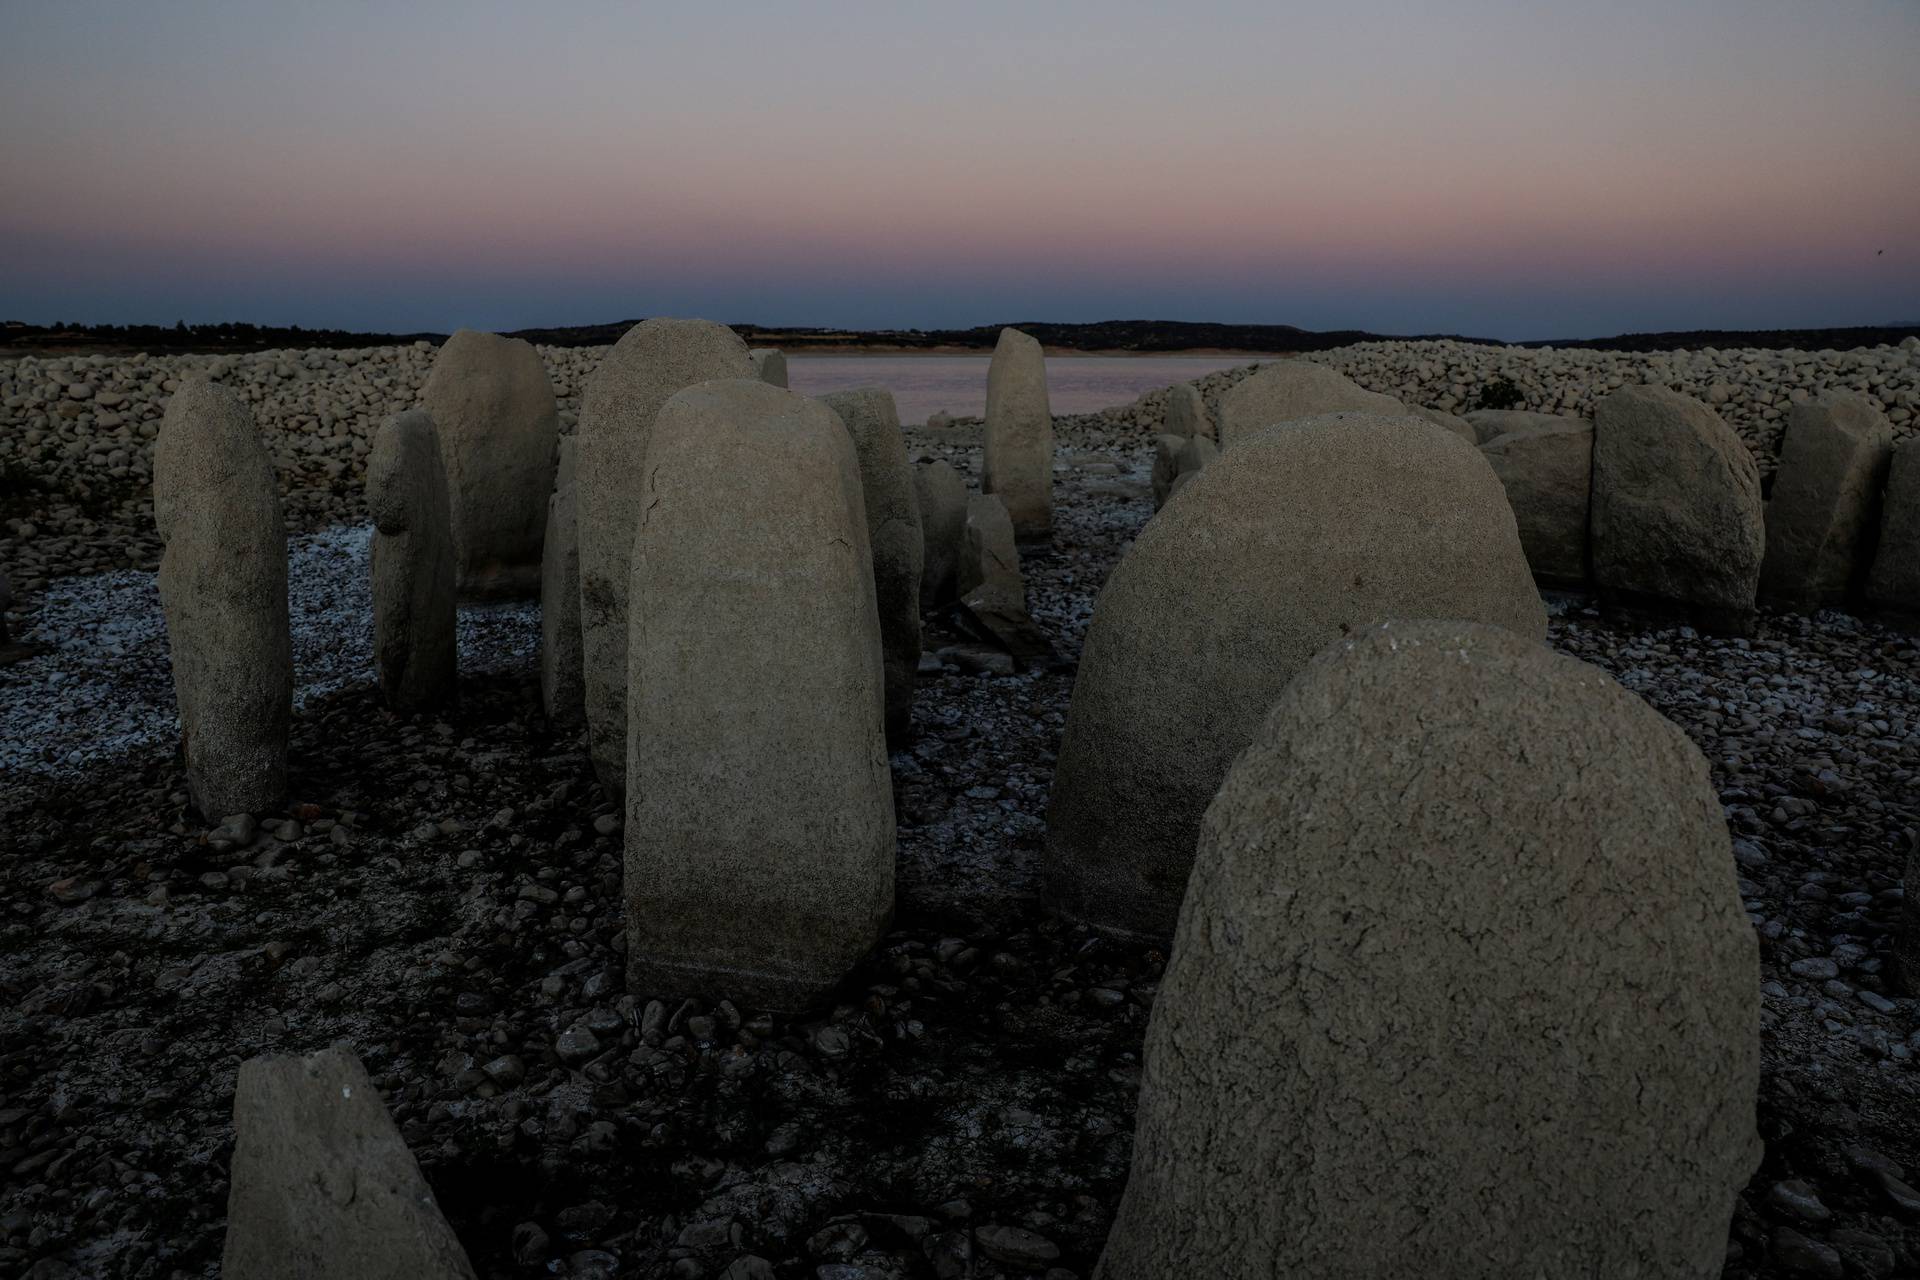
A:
923, 385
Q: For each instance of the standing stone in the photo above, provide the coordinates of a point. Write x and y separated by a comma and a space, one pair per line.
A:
414, 651
562, 690
492, 403
759, 857
1894, 584
1547, 470
1187, 411
770, 365
321, 1184
1289, 540
1166, 465
1826, 499
1288, 390
6, 603
1019, 434
893, 531
1676, 521
990, 557
1194, 456
651, 361
1462, 986
223, 588
941, 496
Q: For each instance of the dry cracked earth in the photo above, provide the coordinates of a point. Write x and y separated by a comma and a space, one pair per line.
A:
443, 896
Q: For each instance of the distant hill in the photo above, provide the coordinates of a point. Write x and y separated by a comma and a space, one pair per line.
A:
1145, 336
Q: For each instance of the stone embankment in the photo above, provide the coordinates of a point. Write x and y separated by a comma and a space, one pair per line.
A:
76, 434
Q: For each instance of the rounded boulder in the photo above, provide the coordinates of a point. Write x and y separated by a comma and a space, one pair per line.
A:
1287, 541
1462, 986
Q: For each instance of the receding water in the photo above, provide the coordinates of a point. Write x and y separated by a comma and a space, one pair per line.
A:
923, 385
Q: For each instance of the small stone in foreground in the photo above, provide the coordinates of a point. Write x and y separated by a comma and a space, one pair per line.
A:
321, 1184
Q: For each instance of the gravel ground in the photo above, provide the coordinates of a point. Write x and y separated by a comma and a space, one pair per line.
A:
443, 895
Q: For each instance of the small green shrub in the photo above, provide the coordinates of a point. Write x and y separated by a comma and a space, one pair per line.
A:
1500, 394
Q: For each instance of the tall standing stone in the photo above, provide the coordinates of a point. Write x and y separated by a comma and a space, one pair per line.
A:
1284, 543
1019, 434
770, 365
415, 653
1676, 520
1461, 986
1289, 390
562, 692
1187, 411
893, 532
759, 855
321, 1185
223, 588
1826, 499
1894, 584
1546, 467
941, 496
651, 361
492, 403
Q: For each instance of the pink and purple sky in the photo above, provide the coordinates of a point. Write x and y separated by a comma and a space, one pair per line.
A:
1502, 168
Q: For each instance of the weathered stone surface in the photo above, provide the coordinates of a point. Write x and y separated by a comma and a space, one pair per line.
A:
492, 403
223, 588
1289, 540
1491, 424
1289, 390
414, 652
562, 691
1018, 464
1894, 584
1166, 465
651, 361
1821, 519
941, 497
321, 1184
1676, 520
990, 556
1194, 456
770, 365
1462, 985
1187, 411
1546, 468
757, 743
893, 532
1439, 418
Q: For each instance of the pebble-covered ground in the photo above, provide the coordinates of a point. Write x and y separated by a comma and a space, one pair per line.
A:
443, 895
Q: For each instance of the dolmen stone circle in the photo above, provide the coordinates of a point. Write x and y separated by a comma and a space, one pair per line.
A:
1293, 537
1467, 992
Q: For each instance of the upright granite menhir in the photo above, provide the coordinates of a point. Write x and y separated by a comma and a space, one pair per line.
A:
560, 680
1822, 517
492, 403
223, 588
415, 655
1675, 519
759, 834
1462, 986
893, 531
1290, 539
1018, 453
651, 361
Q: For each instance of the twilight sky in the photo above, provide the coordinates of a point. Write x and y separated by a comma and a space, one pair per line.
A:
1503, 168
